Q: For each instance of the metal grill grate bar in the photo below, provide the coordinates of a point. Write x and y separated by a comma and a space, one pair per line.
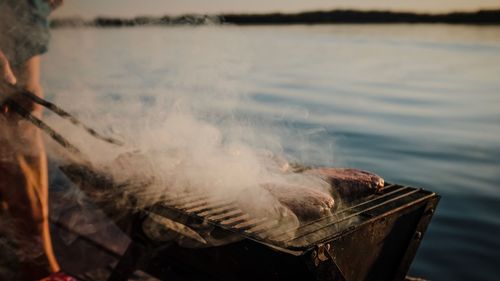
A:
225, 216
192, 204
201, 210
223, 209
236, 220
400, 189
363, 203
184, 199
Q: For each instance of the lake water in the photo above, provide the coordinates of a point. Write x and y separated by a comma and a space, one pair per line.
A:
417, 104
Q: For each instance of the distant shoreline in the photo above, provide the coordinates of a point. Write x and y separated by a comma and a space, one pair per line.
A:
483, 17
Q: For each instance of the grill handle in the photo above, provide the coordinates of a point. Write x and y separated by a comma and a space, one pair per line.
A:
324, 260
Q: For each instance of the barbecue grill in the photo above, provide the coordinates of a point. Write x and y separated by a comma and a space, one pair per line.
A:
372, 238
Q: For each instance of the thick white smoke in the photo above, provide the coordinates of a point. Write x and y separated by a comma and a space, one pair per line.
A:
177, 106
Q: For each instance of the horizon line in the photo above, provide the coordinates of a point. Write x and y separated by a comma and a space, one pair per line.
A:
479, 17
471, 11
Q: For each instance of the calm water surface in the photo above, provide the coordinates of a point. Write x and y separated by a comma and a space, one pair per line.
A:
417, 104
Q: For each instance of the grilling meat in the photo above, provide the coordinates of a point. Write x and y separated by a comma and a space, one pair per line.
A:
350, 183
306, 203
310, 204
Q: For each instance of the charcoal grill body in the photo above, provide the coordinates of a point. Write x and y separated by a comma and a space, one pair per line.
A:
379, 244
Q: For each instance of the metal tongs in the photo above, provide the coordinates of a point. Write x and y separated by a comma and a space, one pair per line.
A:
12, 104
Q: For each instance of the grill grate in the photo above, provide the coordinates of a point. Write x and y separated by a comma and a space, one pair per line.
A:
225, 213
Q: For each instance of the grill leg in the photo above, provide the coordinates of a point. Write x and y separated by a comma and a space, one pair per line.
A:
128, 262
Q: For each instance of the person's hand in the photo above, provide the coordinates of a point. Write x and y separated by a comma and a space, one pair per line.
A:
54, 4
6, 74
9, 87
7, 78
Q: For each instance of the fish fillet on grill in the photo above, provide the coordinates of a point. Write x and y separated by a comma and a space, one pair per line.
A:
306, 203
310, 204
349, 183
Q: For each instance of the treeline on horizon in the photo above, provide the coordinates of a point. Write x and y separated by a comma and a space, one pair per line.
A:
484, 17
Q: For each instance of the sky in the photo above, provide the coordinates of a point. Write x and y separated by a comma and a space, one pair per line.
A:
130, 8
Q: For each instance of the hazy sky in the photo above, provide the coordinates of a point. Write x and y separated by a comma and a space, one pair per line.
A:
92, 8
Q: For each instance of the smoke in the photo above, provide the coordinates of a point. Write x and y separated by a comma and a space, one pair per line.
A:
179, 114
183, 153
